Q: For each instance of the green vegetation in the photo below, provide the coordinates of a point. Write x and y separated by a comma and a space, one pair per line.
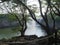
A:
7, 33
10, 17
11, 31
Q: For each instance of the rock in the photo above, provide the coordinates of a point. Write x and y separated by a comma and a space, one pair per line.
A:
31, 37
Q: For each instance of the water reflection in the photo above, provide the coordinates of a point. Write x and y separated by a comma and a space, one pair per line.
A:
34, 29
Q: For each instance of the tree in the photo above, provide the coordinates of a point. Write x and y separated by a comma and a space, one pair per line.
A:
44, 16
22, 16
50, 8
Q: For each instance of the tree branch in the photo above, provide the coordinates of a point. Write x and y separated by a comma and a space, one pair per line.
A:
31, 14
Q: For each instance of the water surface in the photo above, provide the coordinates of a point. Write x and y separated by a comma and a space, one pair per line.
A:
33, 29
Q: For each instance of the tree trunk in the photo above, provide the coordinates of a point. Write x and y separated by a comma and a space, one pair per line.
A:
55, 37
22, 33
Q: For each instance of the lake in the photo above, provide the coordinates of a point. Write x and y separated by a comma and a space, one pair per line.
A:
33, 29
